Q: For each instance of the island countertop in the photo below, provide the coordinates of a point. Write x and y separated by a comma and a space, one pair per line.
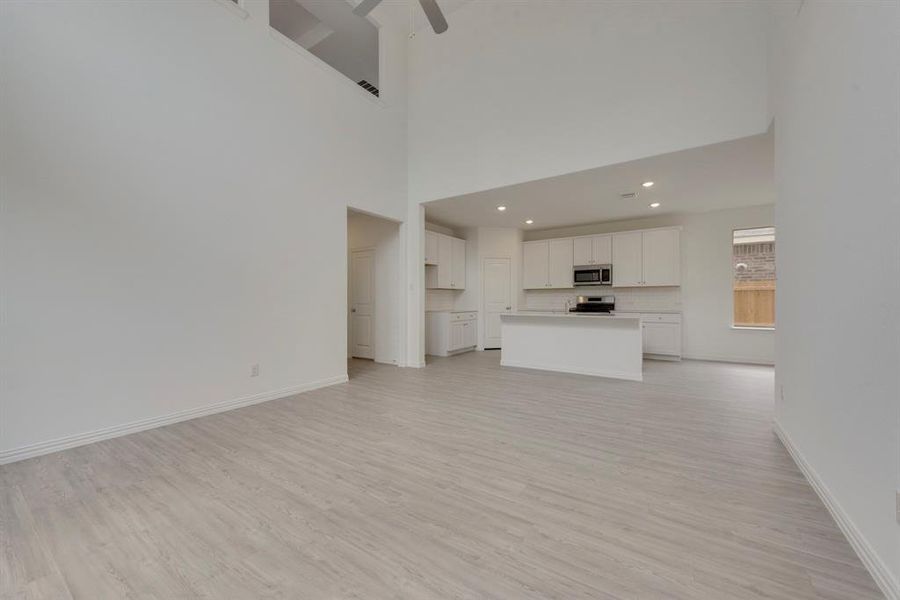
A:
569, 315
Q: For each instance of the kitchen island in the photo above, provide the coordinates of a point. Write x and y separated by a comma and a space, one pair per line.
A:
597, 344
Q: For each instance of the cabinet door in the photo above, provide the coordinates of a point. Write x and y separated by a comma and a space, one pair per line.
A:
445, 261
601, 249
458, 268
431, 248
662, 338
627, 259
583, 252
535, 265
662, 257
457, 335
561, 264
469, 334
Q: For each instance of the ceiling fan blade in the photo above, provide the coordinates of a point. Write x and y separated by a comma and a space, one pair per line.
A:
365, 7
434, 14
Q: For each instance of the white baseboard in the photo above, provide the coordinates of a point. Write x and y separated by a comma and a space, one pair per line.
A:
71, 441
878, 569
729, 359
610, 374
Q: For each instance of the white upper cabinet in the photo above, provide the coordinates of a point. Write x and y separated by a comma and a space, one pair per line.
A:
560, 264
662, 257
627, 259
647, 258
547, 264
602, 247
583, 251
535, 265
458, 264
643, 258
447, 269
592, 250
445, 261
431, 248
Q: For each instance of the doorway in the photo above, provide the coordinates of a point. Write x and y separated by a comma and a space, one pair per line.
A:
362, 304
374, 290
496, 299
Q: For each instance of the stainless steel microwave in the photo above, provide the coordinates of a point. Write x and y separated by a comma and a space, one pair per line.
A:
593, 275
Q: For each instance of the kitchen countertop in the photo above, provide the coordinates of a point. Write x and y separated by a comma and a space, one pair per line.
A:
567, 315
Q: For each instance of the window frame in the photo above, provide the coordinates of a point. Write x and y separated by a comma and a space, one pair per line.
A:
733, 326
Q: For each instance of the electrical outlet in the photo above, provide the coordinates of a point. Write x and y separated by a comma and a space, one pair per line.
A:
254, 370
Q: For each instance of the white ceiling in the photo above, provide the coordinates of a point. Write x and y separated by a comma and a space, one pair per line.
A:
726, 175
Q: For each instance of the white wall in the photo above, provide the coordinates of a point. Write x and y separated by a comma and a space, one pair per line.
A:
175, 184
705, 296
837, 151
519, 91
365, 232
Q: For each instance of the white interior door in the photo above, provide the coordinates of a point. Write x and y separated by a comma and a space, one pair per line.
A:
496, 298
362, 304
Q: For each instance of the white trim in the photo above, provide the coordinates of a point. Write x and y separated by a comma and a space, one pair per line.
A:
749, 328
876, 567
584, 235
729, 359
81, 439
562, 369
234, 8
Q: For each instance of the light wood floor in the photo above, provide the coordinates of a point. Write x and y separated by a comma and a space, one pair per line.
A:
461, 480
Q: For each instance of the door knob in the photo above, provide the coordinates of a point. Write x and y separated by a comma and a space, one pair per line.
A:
508, 307
352, 310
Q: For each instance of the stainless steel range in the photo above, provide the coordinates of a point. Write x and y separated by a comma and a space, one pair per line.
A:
594, 304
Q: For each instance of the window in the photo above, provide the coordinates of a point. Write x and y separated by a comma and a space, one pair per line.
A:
329, 30
753, 266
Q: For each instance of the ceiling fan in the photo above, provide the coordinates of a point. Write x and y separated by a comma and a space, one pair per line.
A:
431, 8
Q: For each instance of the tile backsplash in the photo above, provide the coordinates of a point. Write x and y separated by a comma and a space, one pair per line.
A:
440, 299
627, 299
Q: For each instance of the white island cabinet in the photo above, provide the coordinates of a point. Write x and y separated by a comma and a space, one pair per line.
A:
587, 344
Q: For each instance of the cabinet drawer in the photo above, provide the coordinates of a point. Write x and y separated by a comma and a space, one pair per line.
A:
661, 318
463, 316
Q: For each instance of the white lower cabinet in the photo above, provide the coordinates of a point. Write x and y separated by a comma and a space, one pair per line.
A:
449, 333
661, 334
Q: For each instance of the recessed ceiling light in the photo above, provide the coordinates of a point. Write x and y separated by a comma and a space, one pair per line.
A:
654, 205
529, 222
648, 184
501, 208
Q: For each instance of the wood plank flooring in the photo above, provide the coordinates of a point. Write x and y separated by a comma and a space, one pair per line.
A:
460, 480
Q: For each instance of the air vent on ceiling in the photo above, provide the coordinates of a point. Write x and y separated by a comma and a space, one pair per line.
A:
628, 195
368, 87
